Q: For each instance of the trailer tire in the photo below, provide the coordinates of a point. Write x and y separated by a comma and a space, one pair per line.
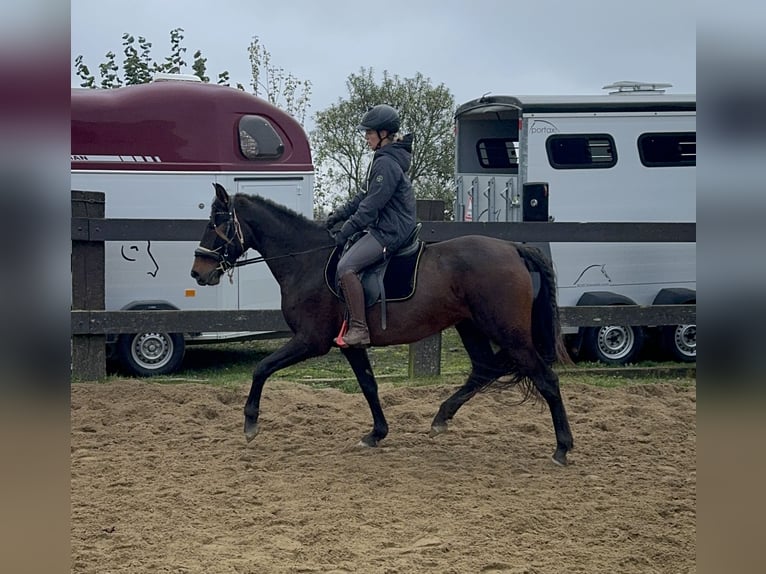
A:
679, 342
150, 354
613, 344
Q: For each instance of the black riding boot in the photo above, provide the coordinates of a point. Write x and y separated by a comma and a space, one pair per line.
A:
357, 335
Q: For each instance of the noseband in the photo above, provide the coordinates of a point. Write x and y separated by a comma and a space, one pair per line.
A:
231, 234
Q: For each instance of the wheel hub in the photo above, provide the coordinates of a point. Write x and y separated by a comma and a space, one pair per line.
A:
615, 341
685, 337
151, 349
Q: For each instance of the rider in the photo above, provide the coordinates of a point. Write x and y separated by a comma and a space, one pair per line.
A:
384, 209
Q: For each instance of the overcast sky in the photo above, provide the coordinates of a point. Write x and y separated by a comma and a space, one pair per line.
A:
472, 47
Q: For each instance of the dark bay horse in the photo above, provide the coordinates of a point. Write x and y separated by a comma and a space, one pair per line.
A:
481, 285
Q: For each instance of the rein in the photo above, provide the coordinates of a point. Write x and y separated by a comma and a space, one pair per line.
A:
263, 259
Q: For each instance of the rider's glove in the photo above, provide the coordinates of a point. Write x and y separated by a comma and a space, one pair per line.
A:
333, 220
345, 232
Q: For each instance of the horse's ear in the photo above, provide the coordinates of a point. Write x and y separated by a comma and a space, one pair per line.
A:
221, 194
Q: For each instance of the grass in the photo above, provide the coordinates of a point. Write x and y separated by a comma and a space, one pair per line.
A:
231, 364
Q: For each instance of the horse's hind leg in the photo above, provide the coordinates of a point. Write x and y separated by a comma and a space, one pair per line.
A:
484, 370
546, 381
548, 385
360, 364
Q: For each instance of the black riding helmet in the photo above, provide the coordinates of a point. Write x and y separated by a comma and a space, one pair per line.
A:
381, 117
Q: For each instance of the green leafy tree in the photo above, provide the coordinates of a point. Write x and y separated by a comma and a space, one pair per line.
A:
138, 67
342, 156
276, 85
174, 63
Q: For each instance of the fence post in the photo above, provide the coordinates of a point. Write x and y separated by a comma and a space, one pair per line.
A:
88, 351
425, 355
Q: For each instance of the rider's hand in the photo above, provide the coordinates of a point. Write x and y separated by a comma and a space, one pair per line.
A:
345, 233
333, 220
340, 239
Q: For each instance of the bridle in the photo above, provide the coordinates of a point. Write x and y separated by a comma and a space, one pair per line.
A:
233, 234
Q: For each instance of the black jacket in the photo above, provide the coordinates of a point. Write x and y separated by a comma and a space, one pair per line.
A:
386, 205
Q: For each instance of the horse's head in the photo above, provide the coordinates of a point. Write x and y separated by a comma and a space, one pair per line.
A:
222, 242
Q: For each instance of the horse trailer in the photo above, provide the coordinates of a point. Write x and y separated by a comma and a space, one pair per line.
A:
626, 156
155, 150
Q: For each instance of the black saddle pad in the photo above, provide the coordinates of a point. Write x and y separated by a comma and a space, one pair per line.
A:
399, 281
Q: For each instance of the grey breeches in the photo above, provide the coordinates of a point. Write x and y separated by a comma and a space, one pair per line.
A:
360, 255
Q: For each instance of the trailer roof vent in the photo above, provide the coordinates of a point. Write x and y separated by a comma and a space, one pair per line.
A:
627, 87
165, 77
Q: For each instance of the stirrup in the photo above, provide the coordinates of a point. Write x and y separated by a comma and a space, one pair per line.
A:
338, 340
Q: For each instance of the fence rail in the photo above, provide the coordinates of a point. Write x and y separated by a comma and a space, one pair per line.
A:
96, 322
88, 229
90, 322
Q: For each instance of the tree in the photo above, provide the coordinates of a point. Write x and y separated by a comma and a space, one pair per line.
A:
276, 85
138, 67
268, 81
340, 152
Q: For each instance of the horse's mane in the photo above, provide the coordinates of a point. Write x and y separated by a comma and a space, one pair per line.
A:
281, 210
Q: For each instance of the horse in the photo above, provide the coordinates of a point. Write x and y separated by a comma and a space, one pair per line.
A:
480, 285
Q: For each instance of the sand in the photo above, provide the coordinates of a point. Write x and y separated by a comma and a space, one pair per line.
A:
163, 481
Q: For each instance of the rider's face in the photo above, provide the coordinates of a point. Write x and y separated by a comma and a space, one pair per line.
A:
372, 139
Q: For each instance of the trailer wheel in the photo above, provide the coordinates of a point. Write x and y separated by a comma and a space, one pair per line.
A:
613, 344
149, 354
680, 342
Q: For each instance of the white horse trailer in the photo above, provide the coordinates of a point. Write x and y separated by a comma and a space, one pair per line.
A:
155, 150
627, 156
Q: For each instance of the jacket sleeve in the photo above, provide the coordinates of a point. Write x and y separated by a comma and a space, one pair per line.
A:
342, 212
384, 179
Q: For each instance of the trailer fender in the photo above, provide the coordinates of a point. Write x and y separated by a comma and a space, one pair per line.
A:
675, 296
150, 305
601, 298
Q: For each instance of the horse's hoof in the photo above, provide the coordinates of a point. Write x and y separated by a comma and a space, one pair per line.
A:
369, 442
251, 431
560, 458
437, 429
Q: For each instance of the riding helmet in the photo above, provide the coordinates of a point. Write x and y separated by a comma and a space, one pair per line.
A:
381, 117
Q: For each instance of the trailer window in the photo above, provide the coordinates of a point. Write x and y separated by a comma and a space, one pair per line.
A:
581, 151
668, 149
258, 139
497, 153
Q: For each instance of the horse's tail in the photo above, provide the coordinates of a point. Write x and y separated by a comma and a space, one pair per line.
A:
546, 328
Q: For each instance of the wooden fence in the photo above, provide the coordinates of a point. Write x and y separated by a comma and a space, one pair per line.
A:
90, 322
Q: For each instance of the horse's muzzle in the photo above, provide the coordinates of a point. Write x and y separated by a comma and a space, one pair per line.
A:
210, 277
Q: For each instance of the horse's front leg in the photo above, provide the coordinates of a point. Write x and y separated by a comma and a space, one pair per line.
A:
360, 364
294, 351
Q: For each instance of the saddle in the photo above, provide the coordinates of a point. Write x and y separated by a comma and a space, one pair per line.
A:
393, 279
